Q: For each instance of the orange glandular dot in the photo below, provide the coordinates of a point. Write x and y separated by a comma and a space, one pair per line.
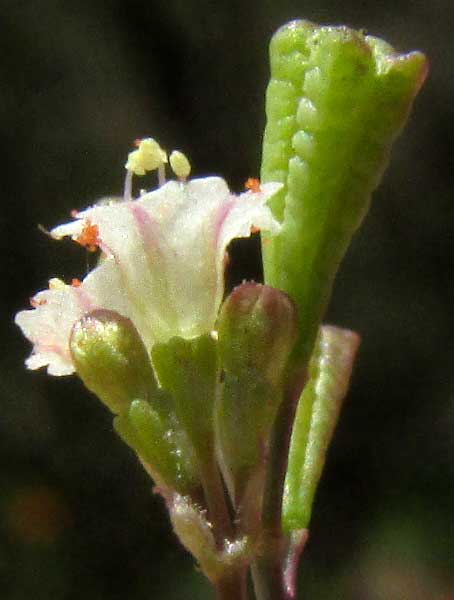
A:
253, 184
35, 303
89, 237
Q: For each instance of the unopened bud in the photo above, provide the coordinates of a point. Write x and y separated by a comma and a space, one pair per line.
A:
111, 359
257, 330
161, 444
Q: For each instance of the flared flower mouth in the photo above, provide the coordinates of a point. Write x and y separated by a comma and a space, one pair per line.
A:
162, 258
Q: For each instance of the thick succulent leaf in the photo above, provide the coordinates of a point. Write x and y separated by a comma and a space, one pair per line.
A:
335, 103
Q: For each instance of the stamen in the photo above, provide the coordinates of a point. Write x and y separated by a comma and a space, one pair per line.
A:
56, 284
45, 231
161, 175
180, 165
127, 194
149, 156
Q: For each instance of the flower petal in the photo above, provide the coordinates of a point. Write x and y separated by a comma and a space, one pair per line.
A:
162, 268
48, 325
169, 248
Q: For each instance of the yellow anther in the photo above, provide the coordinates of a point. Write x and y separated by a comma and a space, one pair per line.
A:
148, 157
56, 284
180, 164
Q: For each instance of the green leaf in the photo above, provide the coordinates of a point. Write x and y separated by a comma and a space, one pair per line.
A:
317, 415
335, 103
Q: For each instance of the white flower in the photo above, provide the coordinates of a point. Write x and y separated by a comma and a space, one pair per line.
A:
162, 265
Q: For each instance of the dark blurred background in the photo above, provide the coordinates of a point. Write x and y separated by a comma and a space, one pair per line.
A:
80, 81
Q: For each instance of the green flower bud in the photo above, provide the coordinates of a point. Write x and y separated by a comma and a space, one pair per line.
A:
161, 444
111, 359
257, 329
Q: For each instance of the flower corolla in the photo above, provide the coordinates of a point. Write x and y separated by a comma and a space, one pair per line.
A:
161, 266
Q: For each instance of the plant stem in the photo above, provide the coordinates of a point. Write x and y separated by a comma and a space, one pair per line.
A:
232, 586
216, 501
268, 571
267, 574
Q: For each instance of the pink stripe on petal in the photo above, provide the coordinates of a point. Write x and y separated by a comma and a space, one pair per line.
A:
146, 226
221, 217
84, 299
54, 349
